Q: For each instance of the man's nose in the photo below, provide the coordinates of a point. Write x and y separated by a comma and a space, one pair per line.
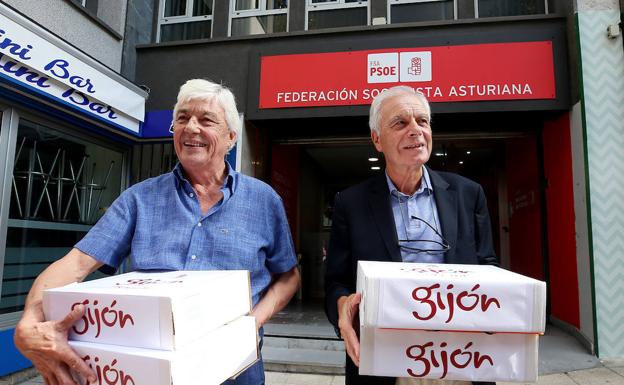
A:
414, 128
192, 125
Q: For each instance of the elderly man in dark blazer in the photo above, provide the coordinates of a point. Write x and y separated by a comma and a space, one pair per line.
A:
410, 213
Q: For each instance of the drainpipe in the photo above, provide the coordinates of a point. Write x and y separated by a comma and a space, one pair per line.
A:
622, 20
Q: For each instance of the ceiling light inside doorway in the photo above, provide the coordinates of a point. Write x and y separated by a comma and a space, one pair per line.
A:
373, 159
461, 162
375, 168
468, 152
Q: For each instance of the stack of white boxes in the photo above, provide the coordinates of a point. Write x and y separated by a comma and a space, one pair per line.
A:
449, 322
179, 327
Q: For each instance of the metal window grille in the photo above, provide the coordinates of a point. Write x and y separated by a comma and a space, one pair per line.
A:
185, 18
398, 3
259, 10
314, 6
477, 15
57, 188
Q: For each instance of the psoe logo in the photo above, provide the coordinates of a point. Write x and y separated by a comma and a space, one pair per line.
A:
393, 67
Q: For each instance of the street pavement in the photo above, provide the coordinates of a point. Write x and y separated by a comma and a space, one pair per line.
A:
562, 361
607, 373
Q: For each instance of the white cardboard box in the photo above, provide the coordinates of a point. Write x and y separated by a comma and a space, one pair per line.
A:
212, 359
449, 297
469, 356
152, 310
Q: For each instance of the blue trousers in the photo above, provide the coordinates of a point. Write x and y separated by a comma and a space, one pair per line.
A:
254, 375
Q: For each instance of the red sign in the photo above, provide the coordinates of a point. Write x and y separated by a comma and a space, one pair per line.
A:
504, 71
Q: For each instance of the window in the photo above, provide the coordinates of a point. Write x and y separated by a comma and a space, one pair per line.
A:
60, 186
336, 13
493, 8
91, 5
184, 20
408, 11
257, 17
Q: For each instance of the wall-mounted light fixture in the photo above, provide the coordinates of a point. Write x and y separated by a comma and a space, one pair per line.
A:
613, 31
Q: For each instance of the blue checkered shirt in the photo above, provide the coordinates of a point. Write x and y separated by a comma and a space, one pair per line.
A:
159, 224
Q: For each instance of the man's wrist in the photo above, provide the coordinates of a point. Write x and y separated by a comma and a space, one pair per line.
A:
340, 303
32, 314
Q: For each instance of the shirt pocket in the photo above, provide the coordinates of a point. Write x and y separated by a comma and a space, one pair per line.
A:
236, 248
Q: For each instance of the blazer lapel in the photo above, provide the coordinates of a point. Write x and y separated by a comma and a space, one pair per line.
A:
379, 203
446, 202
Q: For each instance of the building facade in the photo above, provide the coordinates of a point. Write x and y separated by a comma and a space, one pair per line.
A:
527, 99
528, 130
599, 224
68, 124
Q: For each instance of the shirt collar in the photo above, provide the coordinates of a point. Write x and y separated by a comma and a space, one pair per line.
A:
230, 181
423, 186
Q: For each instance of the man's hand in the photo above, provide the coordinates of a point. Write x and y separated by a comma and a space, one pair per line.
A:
348, 308
280, 291
45, 344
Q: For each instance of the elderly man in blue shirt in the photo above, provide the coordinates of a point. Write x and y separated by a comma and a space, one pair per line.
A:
201, 216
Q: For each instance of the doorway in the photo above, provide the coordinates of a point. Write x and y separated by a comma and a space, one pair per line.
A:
309, 173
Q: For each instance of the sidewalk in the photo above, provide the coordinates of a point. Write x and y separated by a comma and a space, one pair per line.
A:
608, 373
562, 361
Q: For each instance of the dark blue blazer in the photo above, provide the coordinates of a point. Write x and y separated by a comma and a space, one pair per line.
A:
363, 229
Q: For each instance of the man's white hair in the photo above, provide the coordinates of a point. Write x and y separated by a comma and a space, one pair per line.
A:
375, 108
202, 89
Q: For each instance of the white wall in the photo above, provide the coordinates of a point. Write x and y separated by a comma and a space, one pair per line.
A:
602, 75
582, 240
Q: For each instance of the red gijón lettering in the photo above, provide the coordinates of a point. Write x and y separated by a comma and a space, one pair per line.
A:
94, 316
427, 356
434, 299
426, 270
147, 281
107, 374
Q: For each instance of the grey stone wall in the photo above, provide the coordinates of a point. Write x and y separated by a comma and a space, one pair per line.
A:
597, 5
113, 12
78, 28
140, 22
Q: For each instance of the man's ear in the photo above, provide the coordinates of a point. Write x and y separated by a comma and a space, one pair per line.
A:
233, 136
375, 139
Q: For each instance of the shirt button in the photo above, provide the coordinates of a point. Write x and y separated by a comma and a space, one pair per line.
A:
191, 195
193, 257
199, 224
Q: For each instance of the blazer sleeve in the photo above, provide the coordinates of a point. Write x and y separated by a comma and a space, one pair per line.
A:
338, 275
483, 232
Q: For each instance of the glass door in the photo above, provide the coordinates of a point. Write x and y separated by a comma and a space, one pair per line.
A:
60, 184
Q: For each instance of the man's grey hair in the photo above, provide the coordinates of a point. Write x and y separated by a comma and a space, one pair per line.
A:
375, 108
202, 89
